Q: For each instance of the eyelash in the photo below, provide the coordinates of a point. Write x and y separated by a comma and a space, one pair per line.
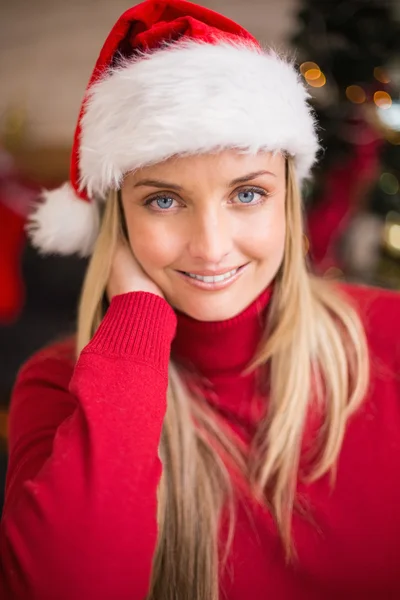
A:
256, 190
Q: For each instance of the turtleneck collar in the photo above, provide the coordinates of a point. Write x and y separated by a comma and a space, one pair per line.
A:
215, 348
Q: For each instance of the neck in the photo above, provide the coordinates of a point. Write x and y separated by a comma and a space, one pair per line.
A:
212, 348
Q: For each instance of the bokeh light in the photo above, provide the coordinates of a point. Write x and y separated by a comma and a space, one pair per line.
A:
390, 117
393, 237
307, 66
381, 75
321, 81
383, 100
356, 94
313, 74
389, 183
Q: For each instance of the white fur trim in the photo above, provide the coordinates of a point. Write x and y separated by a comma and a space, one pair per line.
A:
190, 98
62, 223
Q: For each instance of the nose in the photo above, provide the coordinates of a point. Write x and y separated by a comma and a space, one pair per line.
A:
211, 238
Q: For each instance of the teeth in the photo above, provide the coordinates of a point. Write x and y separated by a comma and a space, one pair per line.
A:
213, 278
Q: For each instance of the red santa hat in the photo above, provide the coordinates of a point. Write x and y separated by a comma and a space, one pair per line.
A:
172, 78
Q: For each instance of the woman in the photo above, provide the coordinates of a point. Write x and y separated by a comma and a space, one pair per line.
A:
228, 426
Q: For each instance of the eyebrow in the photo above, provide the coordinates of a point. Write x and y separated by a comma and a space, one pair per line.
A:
250, 176
158, 184
173, 186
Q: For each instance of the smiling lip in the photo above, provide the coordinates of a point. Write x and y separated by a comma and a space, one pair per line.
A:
212, 285
211, 273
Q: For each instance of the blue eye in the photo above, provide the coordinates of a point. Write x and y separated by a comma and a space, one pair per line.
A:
246, 197
160, 203
250, 195
164, 202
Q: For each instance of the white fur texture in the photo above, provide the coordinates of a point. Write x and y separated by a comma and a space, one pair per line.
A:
191, 98
62, 223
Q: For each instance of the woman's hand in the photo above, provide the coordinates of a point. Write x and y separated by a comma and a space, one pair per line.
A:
126, 274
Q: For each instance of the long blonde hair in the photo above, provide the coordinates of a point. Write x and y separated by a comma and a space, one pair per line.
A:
316, 352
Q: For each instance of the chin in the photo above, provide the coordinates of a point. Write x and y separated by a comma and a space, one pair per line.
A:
212, 309
218, 305
210, 314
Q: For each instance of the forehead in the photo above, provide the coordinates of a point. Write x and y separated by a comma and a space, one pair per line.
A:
218, 166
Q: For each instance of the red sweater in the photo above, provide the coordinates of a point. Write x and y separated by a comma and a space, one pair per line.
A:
80, 514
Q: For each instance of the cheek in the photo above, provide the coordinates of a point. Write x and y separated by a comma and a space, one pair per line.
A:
152, 244
265, 235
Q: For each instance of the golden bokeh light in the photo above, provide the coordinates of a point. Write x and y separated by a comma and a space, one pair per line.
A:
381, 75
382, 100
392, 235
312, 74
356, 94
306, 66
317, 83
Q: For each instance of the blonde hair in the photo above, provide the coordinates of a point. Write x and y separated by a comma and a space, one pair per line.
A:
315, 348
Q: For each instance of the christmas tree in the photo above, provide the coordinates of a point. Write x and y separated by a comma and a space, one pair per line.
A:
350, 59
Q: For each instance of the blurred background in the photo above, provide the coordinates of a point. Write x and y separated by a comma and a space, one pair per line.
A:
348, 53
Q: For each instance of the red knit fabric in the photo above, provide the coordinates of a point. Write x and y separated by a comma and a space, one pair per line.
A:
80, 515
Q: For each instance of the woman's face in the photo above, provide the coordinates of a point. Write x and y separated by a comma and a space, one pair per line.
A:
209, 230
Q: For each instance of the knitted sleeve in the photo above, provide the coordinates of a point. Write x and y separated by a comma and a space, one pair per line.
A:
80, 515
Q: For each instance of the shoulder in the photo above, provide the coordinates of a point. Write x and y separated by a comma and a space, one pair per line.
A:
376, 306
41, 391
57, 360
40, 402
379, 311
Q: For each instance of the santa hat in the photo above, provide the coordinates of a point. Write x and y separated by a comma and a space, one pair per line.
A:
172, 78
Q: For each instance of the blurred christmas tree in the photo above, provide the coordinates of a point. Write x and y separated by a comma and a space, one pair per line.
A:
349, 52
